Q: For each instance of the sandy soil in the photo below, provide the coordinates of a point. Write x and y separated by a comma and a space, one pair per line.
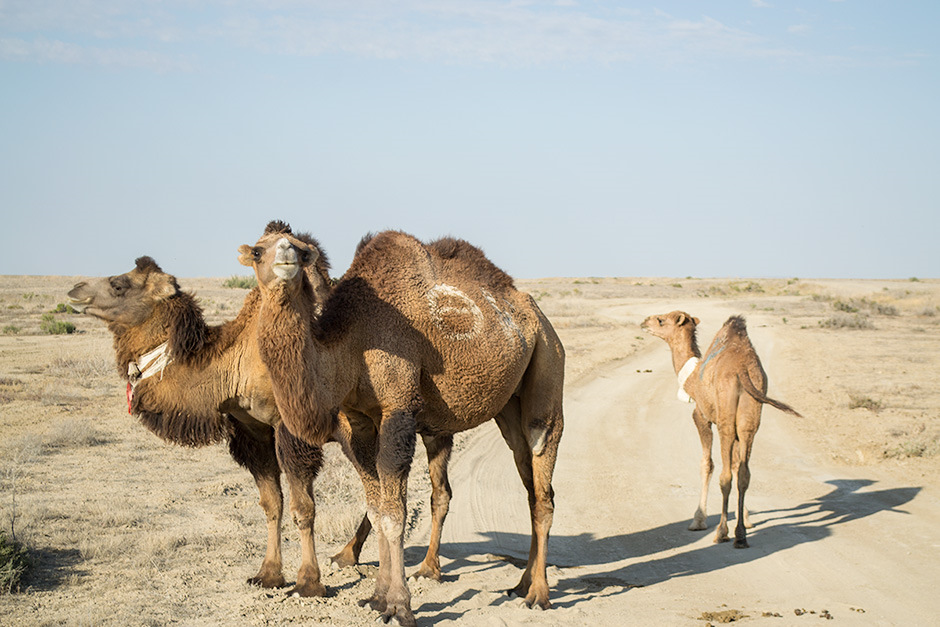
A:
125, 530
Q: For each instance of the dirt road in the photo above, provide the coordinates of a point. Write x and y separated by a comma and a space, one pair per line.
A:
126, 530
858, 546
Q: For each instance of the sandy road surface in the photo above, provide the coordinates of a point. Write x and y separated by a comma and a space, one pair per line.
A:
854, 544
127, 530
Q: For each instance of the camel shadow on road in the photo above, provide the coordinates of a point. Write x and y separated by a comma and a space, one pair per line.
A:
775, 530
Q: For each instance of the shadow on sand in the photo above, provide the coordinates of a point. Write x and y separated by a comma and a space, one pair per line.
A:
776, 530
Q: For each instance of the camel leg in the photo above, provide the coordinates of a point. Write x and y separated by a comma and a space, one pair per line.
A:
439, 449
349, 554
357, 435
255, 451
301, 463
534, 451
748, 423
699, 520
397, 435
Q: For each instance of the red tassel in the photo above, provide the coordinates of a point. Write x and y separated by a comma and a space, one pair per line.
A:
130, 396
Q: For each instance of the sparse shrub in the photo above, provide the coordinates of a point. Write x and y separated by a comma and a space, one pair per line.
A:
14, 561
914, 447
929, 312
11, 329
750, 287
55, 327
847, 322
863, 402
63, 308
677, 285
843, 306
241, 282
14, 306
914, 279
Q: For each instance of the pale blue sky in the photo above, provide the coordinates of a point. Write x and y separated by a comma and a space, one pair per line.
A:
746, 138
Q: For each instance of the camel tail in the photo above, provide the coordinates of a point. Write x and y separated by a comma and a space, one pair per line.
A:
759, 396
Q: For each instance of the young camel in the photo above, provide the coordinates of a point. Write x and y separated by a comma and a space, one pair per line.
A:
729, 388
430, 339
195, 385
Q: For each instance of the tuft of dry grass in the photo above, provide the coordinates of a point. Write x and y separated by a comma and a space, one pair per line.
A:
841, 321
864, 402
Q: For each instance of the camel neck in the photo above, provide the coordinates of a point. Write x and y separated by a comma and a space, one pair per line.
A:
682, 352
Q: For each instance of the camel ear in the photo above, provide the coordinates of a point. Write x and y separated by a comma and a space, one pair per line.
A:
680, 320
161, 286
696, 321
245, 257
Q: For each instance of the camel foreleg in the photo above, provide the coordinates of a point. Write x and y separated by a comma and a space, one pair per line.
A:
699, 519
301, 463
255, 451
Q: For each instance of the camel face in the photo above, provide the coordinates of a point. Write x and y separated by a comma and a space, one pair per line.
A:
665, 326
126, 298
278, 256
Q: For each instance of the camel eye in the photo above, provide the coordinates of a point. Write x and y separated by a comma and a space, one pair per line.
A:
305, 256
256, 253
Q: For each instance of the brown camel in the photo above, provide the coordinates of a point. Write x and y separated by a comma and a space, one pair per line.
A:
195, 385
430, 339
729, 388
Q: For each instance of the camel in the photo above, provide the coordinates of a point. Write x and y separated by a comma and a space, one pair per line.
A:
729, 389
430, 339
196, 385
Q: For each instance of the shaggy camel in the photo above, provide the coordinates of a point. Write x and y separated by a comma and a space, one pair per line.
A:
729, 388
430, 339
194, 385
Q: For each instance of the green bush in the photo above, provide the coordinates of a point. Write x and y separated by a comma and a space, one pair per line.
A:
11, 329
241, 282
63, 308
55, 327
14, 562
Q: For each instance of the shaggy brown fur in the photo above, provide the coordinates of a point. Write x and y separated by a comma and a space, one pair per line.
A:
415, 339
214, 388
729, 387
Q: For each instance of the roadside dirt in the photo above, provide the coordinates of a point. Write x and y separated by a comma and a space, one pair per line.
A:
128, 531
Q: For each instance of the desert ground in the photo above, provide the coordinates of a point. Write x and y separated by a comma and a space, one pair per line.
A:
126, 530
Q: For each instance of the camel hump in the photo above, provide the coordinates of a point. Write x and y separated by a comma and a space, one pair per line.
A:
735, 325
469, 259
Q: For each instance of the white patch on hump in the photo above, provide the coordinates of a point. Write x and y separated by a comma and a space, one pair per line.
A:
510, 328
454, 313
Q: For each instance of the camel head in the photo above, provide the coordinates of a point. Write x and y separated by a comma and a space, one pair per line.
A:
280, 255
670, 325
126, 299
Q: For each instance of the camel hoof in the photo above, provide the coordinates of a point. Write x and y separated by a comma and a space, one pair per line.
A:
741, 544
427, 573
374, 603
343, 560
399, 616
267, 581
698, 525
308, 590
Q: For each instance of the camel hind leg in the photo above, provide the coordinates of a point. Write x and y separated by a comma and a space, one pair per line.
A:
438, 449
699, 520
532, 426
727, 434
749, 411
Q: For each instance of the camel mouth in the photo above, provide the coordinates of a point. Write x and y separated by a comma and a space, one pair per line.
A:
80, 305
285, 270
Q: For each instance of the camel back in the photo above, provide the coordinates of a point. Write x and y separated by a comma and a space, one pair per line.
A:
450, 309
